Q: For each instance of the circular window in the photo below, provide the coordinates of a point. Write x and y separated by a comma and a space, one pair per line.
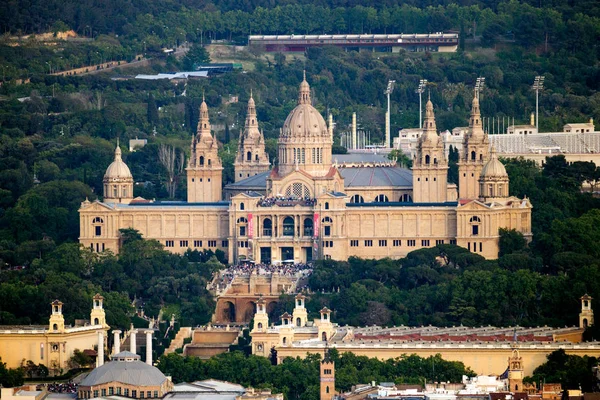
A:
259, 347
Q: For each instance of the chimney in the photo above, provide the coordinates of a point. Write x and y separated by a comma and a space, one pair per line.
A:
353, 130
100, 356
117, 340
132, 342
149, 333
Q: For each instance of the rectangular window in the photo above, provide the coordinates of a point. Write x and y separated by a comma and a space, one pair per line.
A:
224, 243
95, 393
327, 231
212, 243
242, 231
438, 242
141, 394
480, 247
134, 394
118, 391
368, 243
354, 243
397, 243
126, 392
425, 243
183, 243
98, 230
383, 243
469, 246
243, 244
103, 392
411, 243
156, 394
328, 243
149, 394
170, 243
475, 230
453, 241
197, 243
111, 391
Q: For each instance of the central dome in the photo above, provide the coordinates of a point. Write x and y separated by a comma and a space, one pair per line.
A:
304, 121
117, 170
305, 141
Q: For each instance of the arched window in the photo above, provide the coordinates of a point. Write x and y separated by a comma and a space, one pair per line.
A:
327, 205
382, 198
435, 161
288, 226
209, 162
427, 159
298, 322
242, 206
297, 190
308, 227
327, 389
55, 327
98, 222
242, 226
259, 325
475, 222
267, 227
201, 160
284, 340
96, 321
327, 222
324, 336
256, 157
473, 156
480, 157
249, 156
406, 198
357, 198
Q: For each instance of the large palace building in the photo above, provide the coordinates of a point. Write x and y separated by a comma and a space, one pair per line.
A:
313, 204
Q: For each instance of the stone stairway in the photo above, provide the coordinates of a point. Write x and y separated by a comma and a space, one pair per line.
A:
177, 343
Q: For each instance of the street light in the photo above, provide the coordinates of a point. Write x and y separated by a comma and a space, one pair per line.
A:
388, 91
538, 84
420, 90
479, 84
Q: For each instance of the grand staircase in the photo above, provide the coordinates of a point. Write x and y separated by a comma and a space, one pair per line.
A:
177, 342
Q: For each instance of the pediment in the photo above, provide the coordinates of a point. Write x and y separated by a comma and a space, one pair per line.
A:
473, 205
95, 205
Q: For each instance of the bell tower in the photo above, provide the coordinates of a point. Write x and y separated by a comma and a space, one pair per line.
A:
300, 315
586, 316
515, 372
204, 170
57, 319
251, 158
430, 168
476, 146
261, 318
97, 316
327, 377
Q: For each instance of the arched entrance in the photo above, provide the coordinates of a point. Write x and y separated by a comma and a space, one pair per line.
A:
228, 312
249, 310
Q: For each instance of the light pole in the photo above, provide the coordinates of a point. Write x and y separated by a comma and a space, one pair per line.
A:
420, 90
538, 84
479, 84
388, 91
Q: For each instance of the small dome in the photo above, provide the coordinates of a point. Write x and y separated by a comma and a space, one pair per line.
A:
134, 373
494, 168
118, 169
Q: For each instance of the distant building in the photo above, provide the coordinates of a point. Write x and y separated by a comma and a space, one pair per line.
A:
136, 143
54, 344
392, 43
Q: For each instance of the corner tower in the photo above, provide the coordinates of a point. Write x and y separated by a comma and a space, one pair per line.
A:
327, 377
430, 167
118, 181
57, 320
204, 170
476, 146
98, 316
251, 157
305, 141
586, 316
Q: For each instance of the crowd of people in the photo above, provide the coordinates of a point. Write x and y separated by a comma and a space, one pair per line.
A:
68, 387
286, 201
226, 276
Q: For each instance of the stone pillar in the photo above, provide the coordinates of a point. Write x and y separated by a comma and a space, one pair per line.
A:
117, 340
149, 333
132, 341
100, 356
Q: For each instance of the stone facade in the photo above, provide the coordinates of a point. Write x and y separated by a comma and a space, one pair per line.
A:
308, 207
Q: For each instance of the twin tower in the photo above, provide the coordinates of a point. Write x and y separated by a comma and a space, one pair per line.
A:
481, 175
205, 169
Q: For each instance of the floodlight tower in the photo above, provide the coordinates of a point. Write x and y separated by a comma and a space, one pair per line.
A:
538, 84
388, 91
420, 90
479, 84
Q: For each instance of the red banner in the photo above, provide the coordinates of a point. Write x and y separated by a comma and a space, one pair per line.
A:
250, 226
316, 225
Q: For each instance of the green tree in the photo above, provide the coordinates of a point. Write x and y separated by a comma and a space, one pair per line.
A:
195, 56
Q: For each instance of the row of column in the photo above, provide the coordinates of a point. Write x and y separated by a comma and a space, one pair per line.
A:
132, 345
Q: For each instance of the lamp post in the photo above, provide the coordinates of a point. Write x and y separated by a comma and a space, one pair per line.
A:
479, 84
420, 90
538, 84
388, 91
